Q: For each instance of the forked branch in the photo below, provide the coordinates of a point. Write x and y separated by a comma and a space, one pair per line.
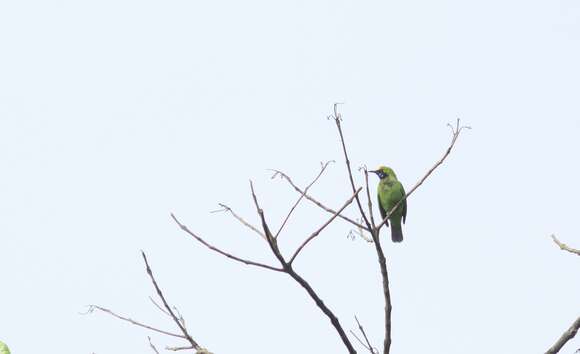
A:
302, 195
370, 225
317, 232
316, 202
285, 266
366, 343
167, 309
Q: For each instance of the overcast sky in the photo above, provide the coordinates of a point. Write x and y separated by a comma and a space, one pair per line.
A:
115, 113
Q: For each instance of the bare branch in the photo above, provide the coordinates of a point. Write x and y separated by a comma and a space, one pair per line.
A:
386, 291
455, 134
366, 172
179, 316
223, 253
565, 247
269, 237
358, 231
176, 349
159, 307
152, 346
133, 322
302, 196
287, 268
360, 341
569, 334
241, 220
167, 307
317, 232
375, 236
337, 119
319, 204
333, 319
367, 345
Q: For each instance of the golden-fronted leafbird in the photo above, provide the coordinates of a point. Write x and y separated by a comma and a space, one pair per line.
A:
4, 348
390, 191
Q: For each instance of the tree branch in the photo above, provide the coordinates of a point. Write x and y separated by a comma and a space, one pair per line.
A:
367, 345
569, 334
565, 247
133, 322
302, 196
269, 237
369, 197
317, 232
333, 319
386, 290
167, 307
319, 204
287, 268
152, 346
455, 134
240, 219
375, 236
223, 253
375, 230
337, 119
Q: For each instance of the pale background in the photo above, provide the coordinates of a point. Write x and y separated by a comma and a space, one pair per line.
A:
115, 113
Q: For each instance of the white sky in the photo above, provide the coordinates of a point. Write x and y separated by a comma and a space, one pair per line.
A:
115, 113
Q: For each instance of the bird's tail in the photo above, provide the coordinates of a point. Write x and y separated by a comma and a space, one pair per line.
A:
396, 232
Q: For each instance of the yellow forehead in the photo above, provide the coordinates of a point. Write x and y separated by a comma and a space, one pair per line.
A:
385, 169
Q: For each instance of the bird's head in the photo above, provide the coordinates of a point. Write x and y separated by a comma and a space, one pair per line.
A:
385, 173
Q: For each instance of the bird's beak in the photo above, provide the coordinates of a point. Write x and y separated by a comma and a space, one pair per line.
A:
375, 172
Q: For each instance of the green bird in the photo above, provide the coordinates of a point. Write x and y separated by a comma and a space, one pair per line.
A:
390, 191
4, 348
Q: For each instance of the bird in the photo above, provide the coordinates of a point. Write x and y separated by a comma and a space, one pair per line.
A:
4, 348
390, 192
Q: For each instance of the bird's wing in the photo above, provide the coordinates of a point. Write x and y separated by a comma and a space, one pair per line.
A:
383, 212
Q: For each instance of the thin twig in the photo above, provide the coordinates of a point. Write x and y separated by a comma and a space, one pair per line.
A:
152, 346
223, 253
360, 341
180, 316
133, 322
241, 220
337, 119
159, 307
175, 349
569, 334
366, 172
319, 204
167, 307
362, 330
565, 247
455, 134
301, 197
317, 232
